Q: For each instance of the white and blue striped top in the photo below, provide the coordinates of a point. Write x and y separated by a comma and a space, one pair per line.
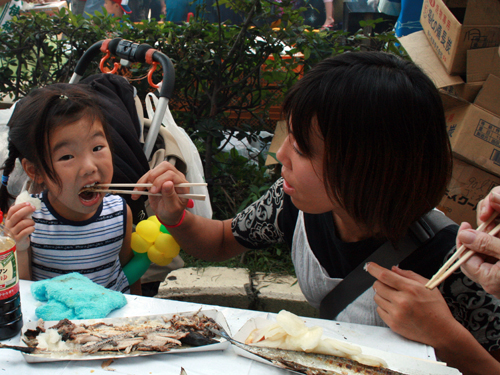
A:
91, 247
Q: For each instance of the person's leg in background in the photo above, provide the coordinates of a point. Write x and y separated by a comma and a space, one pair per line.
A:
155, 7
140, 10
329, 21
77, 6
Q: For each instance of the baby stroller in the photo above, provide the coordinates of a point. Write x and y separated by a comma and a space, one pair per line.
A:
132, 155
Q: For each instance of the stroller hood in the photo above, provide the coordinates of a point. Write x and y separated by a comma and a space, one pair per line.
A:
118, 104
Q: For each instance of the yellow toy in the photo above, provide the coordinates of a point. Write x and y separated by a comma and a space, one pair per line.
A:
153, 238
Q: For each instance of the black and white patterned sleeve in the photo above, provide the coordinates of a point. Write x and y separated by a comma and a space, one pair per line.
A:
256, 227
475, 309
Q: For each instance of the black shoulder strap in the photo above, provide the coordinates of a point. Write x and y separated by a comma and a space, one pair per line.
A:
358, 280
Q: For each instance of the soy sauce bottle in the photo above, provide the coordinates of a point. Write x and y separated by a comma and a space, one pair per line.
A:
11, 317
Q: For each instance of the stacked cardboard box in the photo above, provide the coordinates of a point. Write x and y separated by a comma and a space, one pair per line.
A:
459, 50
454, 27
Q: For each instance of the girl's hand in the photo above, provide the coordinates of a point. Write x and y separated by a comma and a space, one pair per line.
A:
20, 224
169, 207
409, 308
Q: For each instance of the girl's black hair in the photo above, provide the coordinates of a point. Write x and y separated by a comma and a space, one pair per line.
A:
387, 154
35, 117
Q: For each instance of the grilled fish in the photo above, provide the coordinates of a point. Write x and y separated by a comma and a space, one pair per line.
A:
158, 335
310, 363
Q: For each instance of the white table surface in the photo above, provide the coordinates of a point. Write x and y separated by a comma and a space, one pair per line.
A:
206, 363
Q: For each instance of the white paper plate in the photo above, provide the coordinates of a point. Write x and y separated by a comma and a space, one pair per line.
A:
53, 357
396, 362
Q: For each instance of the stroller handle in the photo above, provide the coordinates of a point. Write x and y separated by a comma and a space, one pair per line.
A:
132, 52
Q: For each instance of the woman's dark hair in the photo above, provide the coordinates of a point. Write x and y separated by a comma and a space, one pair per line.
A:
35, 117
387, 154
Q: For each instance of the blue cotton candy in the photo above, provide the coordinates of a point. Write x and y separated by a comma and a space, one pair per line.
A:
74, 296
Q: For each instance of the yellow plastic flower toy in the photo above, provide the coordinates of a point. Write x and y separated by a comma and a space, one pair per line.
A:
152, 237
150, 242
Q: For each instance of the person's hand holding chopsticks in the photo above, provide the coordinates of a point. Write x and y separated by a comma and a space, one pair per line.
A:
410, 309
420, 314
484, 266
169, 207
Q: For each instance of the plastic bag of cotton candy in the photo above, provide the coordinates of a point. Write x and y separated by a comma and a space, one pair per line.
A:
24, 196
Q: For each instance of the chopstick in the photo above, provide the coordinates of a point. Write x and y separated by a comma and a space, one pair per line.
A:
449, 267
184, 184
196, 197
199, 197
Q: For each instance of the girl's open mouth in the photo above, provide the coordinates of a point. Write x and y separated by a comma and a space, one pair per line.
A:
88, 196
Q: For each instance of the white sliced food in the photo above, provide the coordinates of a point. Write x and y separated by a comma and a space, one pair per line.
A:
369, 360
291, 323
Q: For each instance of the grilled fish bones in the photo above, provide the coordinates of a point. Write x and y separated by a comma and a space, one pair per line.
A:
155, 335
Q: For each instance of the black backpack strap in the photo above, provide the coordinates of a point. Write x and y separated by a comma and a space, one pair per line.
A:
358, 280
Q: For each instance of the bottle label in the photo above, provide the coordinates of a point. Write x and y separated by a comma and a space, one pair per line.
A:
9, 277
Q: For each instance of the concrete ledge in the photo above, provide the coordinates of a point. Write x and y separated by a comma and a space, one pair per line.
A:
235, 287
275, 293
221, 286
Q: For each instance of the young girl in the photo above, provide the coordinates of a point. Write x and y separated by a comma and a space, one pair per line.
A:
59, 135
366, 156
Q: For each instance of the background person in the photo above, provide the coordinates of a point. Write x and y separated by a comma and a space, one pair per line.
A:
329, 20
356, 173
158, 8
117, 8
140, 10
92, 6
78, 6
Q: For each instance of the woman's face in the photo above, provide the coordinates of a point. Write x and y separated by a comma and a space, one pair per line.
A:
304, 175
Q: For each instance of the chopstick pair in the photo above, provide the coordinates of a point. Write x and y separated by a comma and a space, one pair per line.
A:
199, 197
449, 267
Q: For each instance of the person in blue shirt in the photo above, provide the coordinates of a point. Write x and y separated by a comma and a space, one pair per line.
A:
178, 10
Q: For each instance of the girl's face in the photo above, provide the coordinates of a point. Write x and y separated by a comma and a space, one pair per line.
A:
304, 176
81, 156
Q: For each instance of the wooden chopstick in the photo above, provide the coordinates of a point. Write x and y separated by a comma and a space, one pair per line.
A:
452, 264
184, 184
197, 197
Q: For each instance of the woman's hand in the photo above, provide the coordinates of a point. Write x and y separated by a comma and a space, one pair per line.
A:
20, 224
409, 308
169, 207
484, 266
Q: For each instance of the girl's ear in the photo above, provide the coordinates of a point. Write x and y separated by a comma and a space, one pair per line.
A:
30, 170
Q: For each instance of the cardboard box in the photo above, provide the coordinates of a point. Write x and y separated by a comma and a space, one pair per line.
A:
466, 91
455, 26
481, 63
422, 54
467, 187
474, 129
280, 134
